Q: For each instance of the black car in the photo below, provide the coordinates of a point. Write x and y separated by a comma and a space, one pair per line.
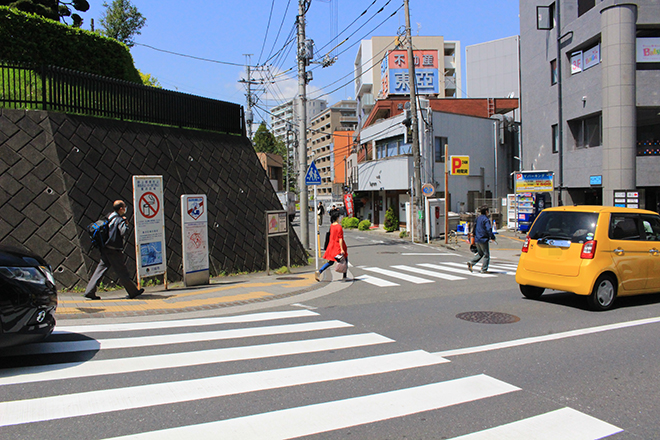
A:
28, 297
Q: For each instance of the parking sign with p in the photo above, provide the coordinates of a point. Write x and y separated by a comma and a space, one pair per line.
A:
460, 165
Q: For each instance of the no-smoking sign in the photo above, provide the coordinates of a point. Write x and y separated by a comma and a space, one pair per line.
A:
149, 205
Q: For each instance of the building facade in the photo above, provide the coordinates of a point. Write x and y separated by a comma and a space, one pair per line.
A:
368, 68
329, 137
284, 116
471, 128
592, 112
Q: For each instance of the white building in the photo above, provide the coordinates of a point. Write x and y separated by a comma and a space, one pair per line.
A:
287, 113
368, 81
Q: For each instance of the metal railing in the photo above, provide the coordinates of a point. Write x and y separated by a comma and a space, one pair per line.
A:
58, 89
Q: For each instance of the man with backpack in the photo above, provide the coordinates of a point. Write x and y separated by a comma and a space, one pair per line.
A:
112, 255
483, 234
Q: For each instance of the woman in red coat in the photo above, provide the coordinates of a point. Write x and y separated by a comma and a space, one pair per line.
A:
336, 245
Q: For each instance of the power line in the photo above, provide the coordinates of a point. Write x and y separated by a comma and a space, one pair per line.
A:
270, 16
191, 56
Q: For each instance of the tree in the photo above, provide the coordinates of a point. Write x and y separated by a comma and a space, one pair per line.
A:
53, 9
122, 21
265, 142
149, 80
391, 220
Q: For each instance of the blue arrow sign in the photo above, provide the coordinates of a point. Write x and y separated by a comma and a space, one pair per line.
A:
312, 177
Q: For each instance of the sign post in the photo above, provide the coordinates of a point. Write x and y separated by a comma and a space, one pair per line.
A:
150, 251
314, 178
277, 223
194, 240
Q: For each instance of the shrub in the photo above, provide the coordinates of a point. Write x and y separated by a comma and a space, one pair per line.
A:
30, 38
364, 225
391, 220
350, 222
403, 234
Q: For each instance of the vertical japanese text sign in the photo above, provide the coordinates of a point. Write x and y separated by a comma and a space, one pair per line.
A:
194, 240
150, 249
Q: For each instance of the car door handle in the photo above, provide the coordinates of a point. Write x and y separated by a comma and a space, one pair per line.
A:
618, 251
654, 252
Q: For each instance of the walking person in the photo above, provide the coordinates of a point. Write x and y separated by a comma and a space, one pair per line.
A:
483, 233
336, 246
320, 211
112, 255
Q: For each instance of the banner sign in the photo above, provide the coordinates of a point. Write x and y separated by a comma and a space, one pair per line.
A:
395, 76
195, 241
534, 182
348, 204
460, 165
591, 57
149, 226
648, 50
576, 62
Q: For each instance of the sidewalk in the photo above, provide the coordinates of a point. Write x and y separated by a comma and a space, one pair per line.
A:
233, 293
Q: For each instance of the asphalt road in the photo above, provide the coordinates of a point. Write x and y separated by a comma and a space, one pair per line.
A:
387, 357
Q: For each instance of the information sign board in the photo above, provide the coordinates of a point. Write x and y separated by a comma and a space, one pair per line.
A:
534, 181
150, 251
194, 243
460, 165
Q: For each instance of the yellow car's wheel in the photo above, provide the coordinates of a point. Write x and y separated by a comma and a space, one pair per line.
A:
604, 292
531, 292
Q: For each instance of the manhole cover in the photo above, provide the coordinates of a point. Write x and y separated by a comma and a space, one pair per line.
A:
488, 317
290, 278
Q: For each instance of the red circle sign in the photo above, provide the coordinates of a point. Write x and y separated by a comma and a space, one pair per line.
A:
149, 205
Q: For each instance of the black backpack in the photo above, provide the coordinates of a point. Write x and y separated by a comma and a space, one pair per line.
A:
99, 232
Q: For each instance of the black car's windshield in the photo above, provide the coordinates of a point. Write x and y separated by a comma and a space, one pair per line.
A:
577, 227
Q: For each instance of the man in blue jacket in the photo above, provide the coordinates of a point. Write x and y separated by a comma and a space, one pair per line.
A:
112, 255
483, 233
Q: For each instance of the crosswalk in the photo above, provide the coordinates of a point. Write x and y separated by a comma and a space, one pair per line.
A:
205, 366
425, 273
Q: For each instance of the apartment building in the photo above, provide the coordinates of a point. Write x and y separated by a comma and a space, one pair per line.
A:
370, 71
329, 136
286, 113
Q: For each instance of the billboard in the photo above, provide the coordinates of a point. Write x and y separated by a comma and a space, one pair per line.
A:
395, 77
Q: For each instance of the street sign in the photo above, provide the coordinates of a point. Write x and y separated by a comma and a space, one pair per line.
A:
312, 177
460, 165
149, 226
428, 190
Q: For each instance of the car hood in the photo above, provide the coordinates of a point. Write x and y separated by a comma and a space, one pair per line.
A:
11, 256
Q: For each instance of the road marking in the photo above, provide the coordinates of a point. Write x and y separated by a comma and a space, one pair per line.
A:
173, 360
339, 414
546, 338
425, 254
144, 341
560, 424
121, 327
452, 269
429, 273
401, 276
497, 268
119, 399
376, 281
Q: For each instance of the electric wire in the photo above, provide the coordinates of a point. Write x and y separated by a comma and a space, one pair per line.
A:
192, 56
270, 16
277, 37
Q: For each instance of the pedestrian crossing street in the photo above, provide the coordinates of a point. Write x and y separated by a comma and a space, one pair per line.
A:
425, 273
194, 365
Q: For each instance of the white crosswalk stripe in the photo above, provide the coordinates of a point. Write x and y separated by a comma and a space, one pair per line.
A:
492, 268
429, 273
376, 281
401, 276
306, 352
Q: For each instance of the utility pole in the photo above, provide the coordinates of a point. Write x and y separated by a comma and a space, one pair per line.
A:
417, 179
303, 60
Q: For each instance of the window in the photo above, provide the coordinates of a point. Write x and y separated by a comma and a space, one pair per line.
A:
391, 147
555, 138
624, 227
585, 5
586, 132
440, 143
553, 72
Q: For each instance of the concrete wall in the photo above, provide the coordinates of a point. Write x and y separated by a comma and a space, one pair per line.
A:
59, 172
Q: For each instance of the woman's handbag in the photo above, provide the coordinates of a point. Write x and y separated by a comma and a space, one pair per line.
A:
342, 266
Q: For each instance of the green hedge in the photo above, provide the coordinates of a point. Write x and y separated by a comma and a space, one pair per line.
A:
30, 38
350, 222
364, 225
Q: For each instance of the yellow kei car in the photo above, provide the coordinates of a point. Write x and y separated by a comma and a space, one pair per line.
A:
598, 251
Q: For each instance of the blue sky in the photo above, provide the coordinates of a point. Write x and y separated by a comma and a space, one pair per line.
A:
225, 30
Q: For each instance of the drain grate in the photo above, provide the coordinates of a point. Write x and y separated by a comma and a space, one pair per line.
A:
488, 317
290, 278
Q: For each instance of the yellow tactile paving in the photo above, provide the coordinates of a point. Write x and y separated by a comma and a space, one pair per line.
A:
185, 299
